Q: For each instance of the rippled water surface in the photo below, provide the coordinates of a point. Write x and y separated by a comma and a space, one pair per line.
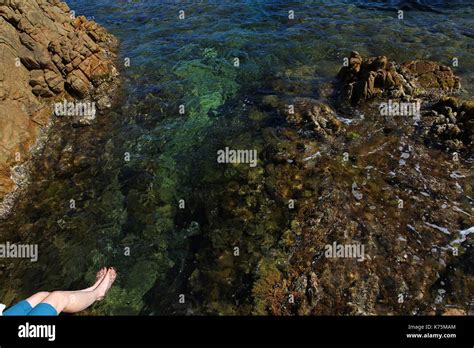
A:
129, 173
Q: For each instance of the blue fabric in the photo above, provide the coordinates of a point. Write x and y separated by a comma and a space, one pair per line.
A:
43, 309
23, 308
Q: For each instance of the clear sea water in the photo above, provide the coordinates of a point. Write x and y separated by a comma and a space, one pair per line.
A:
134, 204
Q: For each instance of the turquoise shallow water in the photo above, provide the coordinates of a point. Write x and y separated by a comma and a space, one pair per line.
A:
134, 203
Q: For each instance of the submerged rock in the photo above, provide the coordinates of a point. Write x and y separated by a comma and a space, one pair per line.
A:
376, 192
425, 75
306, 115
466, 119
451, 124
318, 116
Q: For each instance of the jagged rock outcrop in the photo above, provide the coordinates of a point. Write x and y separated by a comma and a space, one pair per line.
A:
367, 78
46, 55
447, 122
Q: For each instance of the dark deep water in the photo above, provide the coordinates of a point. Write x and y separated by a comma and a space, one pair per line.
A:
129, 173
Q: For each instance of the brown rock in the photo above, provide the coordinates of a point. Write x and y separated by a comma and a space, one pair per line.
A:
466, 122
379, 63
28, 59
420, 67
3, 91
78, 83
76, 23
41, 91
43, 57
94, 69
37, 78
55, 81
368, 78
426, 74
454, 311
318, 116
468, 109
451, 102
68, 68
45, 39
27, 41
76, 61
452, 126
41, 116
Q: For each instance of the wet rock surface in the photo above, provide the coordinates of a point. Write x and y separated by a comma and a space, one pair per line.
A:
313, 115
451, 125
365, 78
47, 55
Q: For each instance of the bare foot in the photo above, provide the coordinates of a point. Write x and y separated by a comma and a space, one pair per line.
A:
101, 274
106, 283
98, 279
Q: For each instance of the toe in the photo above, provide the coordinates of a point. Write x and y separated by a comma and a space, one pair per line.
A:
101, 273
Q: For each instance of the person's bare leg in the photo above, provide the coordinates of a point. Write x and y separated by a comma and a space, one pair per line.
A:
37, 298
33, 300
76, 301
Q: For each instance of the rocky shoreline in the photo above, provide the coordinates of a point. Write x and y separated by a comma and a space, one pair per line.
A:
48, 56
379, 160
